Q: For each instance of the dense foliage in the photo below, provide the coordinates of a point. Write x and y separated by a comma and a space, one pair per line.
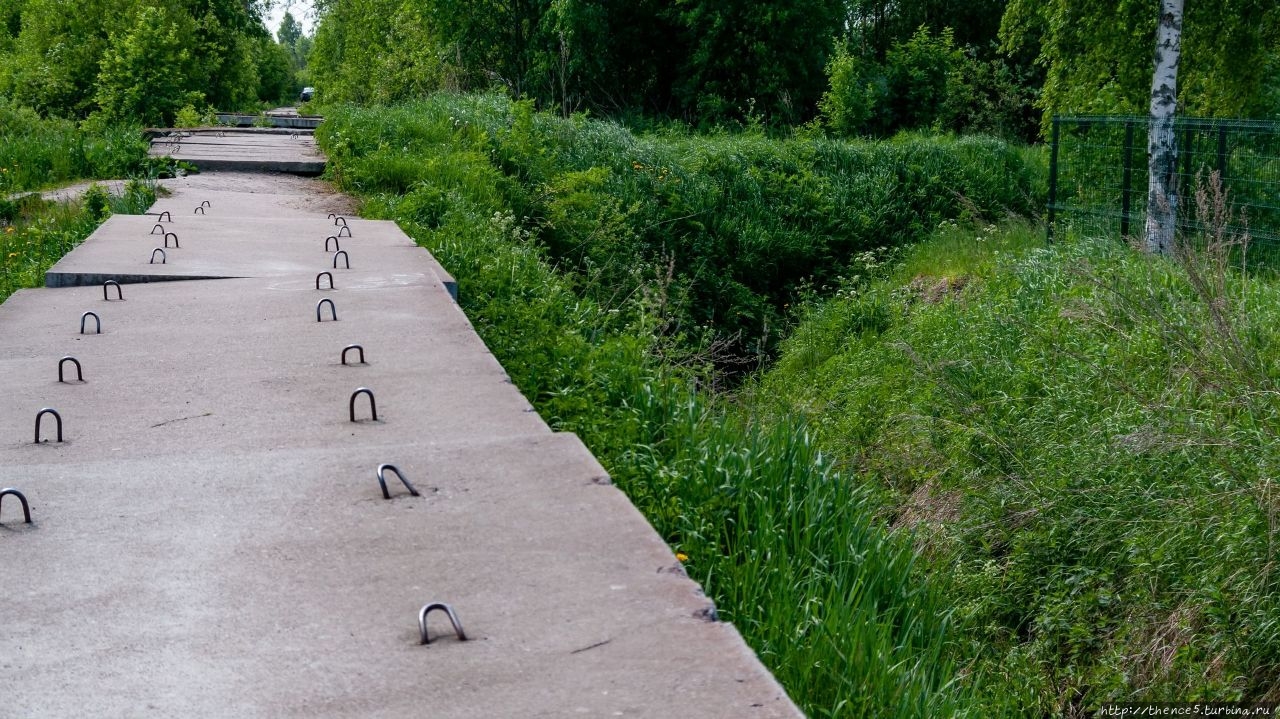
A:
1097, 55
739, 224
1084, 438
525, 210
871, 67
37, 153
139, 60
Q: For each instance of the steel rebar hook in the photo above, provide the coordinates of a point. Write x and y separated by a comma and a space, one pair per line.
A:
40, 416
373, 407
453, 619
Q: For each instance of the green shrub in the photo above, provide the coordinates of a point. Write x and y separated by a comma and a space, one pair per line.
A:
1092, 432
742, 221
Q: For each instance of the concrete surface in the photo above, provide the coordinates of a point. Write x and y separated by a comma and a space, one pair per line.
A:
242, 150
210, 540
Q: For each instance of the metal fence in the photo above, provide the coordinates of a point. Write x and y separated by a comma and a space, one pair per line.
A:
1098, 176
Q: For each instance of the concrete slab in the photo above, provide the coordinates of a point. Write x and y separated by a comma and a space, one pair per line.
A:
244, 151
210, 539
282, 584
210, 247
243, 365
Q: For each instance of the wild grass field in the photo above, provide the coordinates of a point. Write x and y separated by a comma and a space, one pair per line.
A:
977, 475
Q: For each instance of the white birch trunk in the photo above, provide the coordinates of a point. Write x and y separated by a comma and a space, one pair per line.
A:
1162, 159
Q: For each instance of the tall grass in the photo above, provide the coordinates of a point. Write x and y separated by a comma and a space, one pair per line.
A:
1084, 438
742, 223
37, 153
36, 233
790, 550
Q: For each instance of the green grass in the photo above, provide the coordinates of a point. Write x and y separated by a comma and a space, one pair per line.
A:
38, 153
37, 233
790, 550
743, 224
984, 477
1084, 440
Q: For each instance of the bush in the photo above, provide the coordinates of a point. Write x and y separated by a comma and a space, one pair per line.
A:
1083, 437
743, 222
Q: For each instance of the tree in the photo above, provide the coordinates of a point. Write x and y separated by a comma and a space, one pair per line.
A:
145, 75
1096, 53
1162, 198
290, 31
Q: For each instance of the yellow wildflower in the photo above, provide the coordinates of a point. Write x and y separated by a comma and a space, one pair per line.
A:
682, 556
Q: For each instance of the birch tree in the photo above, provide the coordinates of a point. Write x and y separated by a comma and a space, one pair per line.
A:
1162, 199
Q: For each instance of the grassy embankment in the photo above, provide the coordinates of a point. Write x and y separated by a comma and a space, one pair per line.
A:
38, 153
611, 273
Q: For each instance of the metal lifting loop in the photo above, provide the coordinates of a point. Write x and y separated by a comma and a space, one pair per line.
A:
336, 246
199, 210
174, 235
324, 274
453, 619
109, 283
74, 361
331, 216
163, 257
357, 348
382, 480
22, 499
97, 321
165, 214
343, 229
158, 229
339, 218
333, 311
373, 407
40, 416
205, 204
346, 259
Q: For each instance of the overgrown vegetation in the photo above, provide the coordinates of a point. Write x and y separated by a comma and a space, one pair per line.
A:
139, 61
37, 153
736, 227
609, 272
984, 477
35, 233
1083, 438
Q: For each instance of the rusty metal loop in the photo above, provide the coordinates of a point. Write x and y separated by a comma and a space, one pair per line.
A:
96, 320
345, 258
164, 258
373, 407
382, 480
453, 619
109, 283
333, 311
357, 348
22, 499
40, 416
74, 361
324, 274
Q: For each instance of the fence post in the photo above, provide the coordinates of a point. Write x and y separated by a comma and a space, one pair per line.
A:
1222, 154
1126, 191
1053, 181
1188, 145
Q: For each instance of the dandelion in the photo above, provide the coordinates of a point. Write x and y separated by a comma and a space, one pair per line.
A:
682, 556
